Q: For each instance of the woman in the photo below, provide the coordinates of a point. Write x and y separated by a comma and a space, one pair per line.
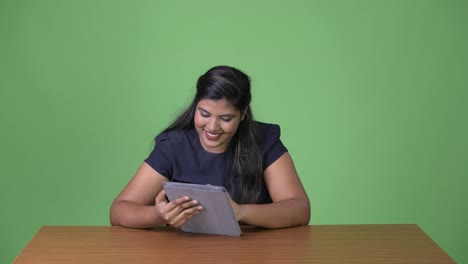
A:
216, 141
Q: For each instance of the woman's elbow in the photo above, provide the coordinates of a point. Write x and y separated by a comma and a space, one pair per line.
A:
305, 212
113, 218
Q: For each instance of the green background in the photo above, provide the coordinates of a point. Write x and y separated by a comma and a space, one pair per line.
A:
371, 97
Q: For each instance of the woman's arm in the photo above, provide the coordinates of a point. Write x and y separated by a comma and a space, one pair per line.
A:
142, 203
290, 205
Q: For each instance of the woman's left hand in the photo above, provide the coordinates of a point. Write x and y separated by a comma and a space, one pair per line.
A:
237, 208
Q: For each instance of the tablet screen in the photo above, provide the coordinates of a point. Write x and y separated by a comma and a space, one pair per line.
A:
217, 217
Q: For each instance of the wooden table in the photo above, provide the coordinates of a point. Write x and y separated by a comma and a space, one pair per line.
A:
306, 244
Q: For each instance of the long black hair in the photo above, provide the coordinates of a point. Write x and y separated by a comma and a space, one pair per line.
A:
244, 169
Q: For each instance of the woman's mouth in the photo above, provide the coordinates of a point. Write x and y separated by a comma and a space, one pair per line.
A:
212, 136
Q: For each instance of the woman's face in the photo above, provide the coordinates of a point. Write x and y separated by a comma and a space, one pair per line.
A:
216, 122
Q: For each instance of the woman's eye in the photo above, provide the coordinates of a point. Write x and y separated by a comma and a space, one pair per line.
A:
204, 114
226, 119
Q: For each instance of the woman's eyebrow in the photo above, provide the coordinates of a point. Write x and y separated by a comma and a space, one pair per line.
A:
201, 109
224, 115
228, 115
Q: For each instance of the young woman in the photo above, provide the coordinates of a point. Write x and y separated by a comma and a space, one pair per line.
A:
217, 141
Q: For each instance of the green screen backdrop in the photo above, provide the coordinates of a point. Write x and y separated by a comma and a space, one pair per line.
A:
371, 97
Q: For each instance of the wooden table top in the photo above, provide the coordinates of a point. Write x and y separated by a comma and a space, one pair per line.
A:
305, 244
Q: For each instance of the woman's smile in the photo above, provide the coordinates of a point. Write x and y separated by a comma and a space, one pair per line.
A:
212, 136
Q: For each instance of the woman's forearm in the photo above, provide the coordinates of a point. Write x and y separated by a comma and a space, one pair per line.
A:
286, 213
134, 215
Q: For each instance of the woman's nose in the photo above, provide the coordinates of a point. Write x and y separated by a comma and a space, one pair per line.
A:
212, 124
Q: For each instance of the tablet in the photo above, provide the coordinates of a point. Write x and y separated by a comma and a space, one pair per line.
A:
217, 216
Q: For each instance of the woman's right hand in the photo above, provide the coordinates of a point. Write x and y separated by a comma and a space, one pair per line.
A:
178, 211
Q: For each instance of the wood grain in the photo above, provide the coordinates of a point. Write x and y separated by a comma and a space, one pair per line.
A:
306, 244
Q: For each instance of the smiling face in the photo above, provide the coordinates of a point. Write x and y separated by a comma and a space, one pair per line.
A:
216, 122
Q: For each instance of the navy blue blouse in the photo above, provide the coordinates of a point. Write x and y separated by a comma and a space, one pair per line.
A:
179, 156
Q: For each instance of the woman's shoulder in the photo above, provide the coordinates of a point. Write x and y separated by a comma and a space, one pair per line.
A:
268, 130
270, 142
269, 134
173, 136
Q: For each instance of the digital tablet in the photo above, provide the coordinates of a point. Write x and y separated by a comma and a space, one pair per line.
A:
217, 216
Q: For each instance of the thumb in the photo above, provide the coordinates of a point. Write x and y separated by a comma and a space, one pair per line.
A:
161, 197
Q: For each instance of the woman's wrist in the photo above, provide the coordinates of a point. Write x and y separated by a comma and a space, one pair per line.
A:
240, 212
157, 219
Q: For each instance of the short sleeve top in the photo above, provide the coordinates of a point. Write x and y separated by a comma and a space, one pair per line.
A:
179, 156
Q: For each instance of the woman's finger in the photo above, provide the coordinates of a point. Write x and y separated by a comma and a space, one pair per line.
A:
184, 216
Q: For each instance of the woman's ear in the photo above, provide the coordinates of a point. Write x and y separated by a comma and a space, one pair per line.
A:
244, 114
